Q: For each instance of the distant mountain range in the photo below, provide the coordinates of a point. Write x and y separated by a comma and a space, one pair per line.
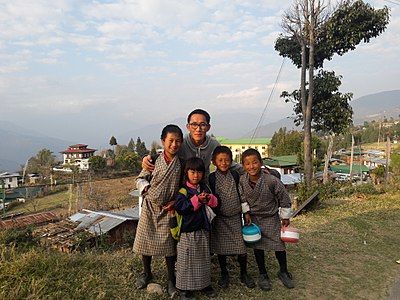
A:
19, 143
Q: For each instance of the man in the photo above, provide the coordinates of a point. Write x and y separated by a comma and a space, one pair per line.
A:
196, 143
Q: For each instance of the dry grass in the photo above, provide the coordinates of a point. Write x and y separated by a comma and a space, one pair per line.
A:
348, 250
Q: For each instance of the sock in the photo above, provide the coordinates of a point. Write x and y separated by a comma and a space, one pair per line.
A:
281, 257
259, 255
242, 259
146, 260
170, 262
222, 264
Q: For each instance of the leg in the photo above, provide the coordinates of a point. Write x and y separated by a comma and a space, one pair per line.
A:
170, 262
224, 280
264, 283
144, 279
244, 277
283, 273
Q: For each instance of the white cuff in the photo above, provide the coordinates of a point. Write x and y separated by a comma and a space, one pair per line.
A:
141, 184
285, 213
245, 207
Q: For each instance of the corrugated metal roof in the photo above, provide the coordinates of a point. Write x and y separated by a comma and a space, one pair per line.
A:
105, 225
76, 217
87, 220
25, 221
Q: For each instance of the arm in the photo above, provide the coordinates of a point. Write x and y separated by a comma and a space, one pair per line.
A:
147, 163
183, 205
245, 205
143, 181
284, 202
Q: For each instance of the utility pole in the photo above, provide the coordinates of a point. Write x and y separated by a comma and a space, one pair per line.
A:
387, 159
3, 196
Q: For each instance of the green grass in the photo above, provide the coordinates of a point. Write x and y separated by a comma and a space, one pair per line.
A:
348, 250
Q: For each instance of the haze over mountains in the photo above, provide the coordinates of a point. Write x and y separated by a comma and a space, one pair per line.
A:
20, 143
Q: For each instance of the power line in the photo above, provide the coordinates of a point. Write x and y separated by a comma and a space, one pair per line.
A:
392, 1
269, 99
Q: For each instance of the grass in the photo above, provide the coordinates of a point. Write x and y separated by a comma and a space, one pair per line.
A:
348, 250
107, 194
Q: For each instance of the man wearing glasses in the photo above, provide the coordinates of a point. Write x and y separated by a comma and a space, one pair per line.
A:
195, 144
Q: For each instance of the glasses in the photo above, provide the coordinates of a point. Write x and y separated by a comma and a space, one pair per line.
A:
197, 125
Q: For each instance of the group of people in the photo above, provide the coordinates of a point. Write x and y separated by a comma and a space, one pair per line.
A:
212, 207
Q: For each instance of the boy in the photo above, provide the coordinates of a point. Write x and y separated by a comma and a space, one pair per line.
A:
159, 188
226, 234
262, 194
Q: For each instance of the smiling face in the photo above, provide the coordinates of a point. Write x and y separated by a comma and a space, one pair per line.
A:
198, 128
194, 177
171, 144
252, 165
223, 162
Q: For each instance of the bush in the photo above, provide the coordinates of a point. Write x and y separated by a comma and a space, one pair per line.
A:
18, 237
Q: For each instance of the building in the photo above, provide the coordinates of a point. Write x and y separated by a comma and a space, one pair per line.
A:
238, 146
286, 164
11, 180
77, 155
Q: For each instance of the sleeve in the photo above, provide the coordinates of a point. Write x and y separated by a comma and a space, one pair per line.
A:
244, 203
283, 198
143, 180
213, 202
183, 205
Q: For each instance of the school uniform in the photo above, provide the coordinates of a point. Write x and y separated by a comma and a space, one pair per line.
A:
193, 268
226, 233
263, 201
153, 237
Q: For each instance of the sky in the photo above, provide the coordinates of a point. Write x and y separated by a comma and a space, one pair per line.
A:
110, 66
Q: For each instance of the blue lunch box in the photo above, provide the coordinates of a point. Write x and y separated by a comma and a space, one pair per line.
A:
251, 233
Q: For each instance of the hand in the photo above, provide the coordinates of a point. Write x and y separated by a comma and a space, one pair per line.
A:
247, 219
204, 197
285, 222
147, 164
169, 205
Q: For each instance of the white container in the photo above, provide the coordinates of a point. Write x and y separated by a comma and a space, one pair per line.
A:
289, 234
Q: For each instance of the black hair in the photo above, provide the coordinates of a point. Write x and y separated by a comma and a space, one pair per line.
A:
250, 152
195, 164
171, 128
199, 111
221, 149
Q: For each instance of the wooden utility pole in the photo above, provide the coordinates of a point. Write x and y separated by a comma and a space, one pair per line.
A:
351, 156
328, 157
387, 159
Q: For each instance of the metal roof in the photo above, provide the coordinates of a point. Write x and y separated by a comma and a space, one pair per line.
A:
25, 221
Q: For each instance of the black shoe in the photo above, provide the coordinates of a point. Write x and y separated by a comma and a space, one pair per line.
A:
264, 283
143, 280
286, 279
247, 281
209, 292
187, 295
171, 289
223, 282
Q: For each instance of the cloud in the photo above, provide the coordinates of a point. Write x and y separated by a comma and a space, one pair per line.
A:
243, 94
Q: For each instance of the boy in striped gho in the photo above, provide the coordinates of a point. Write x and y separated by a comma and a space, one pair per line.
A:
262, 195
194, 203
226, 232
159, 188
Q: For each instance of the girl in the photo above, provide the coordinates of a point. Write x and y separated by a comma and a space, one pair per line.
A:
193, 203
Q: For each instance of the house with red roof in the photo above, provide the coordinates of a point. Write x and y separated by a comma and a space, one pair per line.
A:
77, 155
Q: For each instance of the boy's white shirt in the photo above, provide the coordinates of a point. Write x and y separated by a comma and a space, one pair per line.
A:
141, 184
284, 212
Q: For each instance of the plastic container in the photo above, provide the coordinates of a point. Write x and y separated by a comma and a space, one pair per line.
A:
251, 233
290, 234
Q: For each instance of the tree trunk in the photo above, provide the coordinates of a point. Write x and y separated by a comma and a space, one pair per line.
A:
328, 157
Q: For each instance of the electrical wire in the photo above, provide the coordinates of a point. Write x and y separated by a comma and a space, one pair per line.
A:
269, 99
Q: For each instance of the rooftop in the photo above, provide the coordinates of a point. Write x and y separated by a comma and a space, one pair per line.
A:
281, 161
246, 141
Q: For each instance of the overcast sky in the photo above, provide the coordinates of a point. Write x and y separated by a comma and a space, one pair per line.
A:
148, 61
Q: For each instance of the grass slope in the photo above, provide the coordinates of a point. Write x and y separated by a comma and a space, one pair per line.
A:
348, 250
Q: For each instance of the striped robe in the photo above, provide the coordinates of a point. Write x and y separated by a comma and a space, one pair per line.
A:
264, 201
153, 236
226, 233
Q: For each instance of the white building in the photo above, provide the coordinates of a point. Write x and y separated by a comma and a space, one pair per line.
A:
77, 155
11, 180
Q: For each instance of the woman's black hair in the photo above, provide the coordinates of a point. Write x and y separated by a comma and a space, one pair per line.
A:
221, 149
250, 152
171, 128
195, 164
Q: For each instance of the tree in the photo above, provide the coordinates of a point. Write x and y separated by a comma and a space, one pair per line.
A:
141, 149
154, 147
131, 145
286, 143
113, 142
42, 163
97, 163
315, 34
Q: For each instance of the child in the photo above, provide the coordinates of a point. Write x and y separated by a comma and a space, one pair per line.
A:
262, 194
226, 233
158, 188
193, 203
